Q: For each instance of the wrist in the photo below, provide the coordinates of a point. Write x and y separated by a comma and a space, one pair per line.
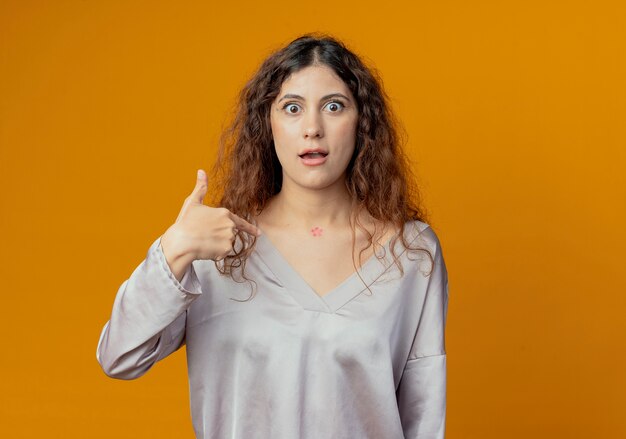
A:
175, 246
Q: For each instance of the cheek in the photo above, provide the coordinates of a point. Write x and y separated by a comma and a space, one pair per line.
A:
279, 130
347, 131
278, 135
273, 126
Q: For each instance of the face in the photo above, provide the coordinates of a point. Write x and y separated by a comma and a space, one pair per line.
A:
314, 109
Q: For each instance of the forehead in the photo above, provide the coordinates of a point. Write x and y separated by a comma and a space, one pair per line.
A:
313, 80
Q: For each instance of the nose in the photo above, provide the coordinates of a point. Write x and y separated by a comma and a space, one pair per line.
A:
313, 126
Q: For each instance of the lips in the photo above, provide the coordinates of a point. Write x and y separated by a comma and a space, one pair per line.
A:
313, 156
314, 150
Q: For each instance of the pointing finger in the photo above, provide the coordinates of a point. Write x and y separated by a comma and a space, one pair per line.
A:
244, 225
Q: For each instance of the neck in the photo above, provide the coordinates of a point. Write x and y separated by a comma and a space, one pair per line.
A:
301, 207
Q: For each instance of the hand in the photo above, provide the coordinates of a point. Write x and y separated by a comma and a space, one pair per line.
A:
203, 232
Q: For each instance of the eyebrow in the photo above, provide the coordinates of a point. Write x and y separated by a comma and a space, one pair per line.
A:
332, 95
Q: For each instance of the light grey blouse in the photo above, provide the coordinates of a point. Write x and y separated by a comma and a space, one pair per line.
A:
289, 363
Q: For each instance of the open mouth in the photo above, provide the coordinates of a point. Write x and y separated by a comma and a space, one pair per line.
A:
313, 155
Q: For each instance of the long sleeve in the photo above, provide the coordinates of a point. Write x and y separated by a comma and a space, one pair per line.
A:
148, 318
421, 393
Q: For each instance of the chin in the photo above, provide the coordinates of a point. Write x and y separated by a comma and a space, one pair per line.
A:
321, 183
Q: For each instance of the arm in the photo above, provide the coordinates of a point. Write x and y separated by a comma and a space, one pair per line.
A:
148, 317
421, 393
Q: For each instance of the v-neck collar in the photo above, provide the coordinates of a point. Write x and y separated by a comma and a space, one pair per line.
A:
348, 289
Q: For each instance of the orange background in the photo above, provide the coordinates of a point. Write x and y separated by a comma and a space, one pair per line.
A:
515, 113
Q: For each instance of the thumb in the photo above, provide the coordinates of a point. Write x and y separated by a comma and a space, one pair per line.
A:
199, 192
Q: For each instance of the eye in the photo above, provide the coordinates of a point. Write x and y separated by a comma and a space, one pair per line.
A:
291, 108
335, 106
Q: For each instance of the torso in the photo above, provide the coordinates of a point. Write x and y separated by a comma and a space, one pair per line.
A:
323, 261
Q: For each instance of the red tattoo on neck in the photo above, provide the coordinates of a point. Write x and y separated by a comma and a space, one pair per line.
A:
316, 231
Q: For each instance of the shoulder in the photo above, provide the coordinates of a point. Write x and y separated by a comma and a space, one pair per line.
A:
423, 234
424, 247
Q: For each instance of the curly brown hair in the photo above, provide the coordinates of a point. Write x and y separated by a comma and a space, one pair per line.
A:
379, 177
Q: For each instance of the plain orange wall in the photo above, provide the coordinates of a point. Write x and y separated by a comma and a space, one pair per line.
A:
515, 113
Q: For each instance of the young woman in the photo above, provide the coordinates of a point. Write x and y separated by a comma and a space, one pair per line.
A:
291, 332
